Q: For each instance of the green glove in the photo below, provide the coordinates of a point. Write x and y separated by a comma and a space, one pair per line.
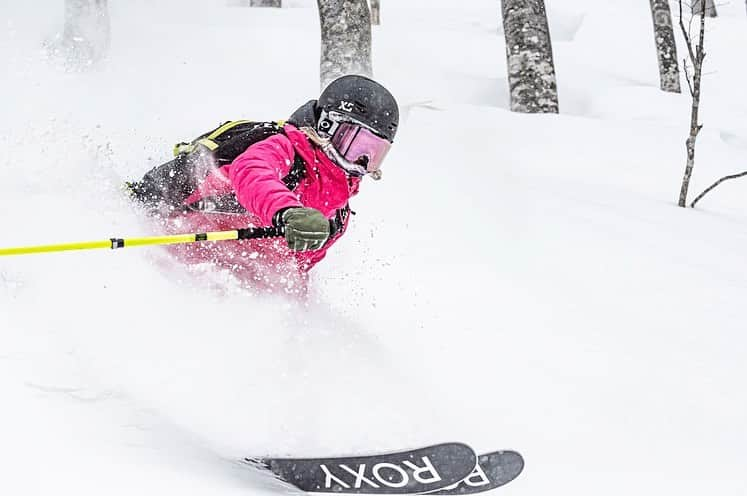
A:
305, 228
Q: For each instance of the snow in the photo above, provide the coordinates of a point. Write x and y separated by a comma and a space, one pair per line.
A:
515, 282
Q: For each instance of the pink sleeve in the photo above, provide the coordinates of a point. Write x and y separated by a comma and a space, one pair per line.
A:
257, 176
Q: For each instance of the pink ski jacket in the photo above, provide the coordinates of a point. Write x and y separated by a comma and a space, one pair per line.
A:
255, 177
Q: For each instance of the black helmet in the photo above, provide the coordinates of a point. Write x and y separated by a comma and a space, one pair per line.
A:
363, 100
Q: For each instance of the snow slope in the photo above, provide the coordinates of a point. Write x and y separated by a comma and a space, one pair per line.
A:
519, 282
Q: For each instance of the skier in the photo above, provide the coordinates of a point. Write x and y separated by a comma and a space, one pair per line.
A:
298, 175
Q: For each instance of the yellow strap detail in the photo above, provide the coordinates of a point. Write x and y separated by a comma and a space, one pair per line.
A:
207, 143
225, 127
209, 140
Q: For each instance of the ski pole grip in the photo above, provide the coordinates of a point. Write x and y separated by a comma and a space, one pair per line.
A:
261, 232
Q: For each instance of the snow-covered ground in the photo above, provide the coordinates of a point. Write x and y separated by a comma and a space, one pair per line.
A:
515, 282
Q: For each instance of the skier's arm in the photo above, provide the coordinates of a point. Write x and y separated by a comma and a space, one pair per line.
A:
257, 175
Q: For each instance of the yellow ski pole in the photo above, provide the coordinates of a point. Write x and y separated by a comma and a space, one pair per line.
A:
115, 243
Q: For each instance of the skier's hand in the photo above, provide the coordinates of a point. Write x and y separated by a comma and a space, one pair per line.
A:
305, 228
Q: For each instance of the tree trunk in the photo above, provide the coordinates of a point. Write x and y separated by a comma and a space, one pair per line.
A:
666, 48
375, 12
265, 3
86, 36
346, 39
710, 7
531, 73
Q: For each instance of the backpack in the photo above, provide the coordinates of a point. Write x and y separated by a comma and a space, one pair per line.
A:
232, 138
174, 181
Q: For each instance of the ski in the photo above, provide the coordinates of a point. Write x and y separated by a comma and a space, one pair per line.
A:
406, 472
493, 470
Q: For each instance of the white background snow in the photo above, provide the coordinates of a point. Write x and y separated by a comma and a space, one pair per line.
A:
515, 282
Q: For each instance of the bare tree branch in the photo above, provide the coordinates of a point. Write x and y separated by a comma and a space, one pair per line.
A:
687, 78
697, 7
712, 186
697, 56
686, 34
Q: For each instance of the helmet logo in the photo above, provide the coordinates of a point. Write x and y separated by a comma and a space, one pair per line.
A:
345, 106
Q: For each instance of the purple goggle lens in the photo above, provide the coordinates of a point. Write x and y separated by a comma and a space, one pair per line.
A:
360, 146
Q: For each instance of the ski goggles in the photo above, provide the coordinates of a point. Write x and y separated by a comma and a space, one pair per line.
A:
360, 146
